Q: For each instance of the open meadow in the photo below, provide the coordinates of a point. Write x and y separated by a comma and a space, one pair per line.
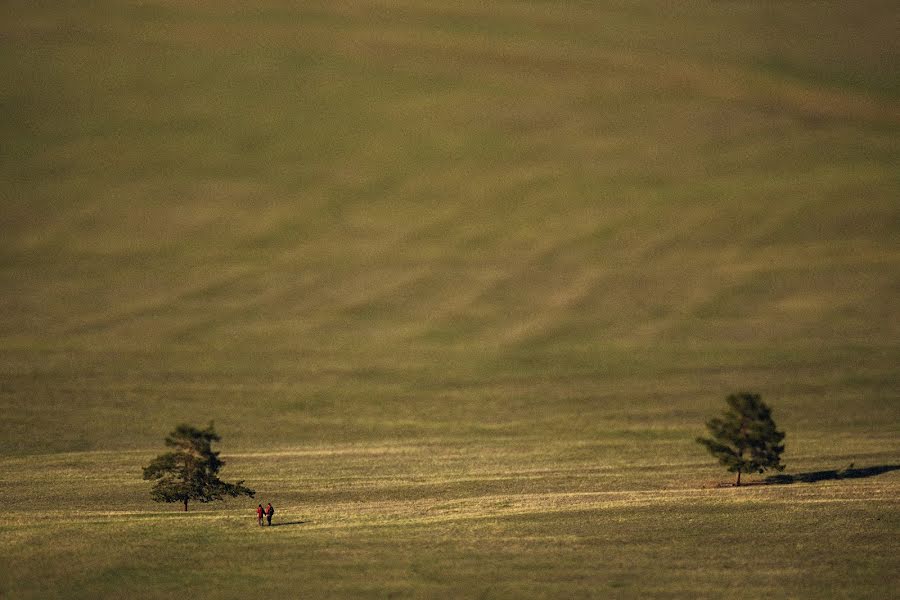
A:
459, 284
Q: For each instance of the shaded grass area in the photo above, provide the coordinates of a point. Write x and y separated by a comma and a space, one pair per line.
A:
847, 473
612, 394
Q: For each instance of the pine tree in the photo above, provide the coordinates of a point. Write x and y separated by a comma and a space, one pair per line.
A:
190, 471
745, 440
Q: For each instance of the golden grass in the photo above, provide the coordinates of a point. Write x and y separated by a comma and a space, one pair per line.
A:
459, 284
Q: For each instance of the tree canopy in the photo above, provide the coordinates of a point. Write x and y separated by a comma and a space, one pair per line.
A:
745, 439
190, 471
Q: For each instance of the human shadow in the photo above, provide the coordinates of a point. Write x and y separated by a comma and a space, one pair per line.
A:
289, 523
815, 476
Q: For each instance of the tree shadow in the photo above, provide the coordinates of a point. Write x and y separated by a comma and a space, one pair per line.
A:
286, 523
815, 476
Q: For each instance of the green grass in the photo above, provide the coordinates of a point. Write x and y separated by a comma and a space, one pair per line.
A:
458, 284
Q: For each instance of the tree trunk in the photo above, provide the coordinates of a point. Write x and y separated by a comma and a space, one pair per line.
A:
736, 484
186, 501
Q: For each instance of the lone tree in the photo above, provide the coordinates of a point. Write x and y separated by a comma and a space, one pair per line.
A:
745, 439
189, 472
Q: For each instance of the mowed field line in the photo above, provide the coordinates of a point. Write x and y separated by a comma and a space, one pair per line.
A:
429, 511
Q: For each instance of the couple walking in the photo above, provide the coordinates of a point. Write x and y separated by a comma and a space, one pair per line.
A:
268, 511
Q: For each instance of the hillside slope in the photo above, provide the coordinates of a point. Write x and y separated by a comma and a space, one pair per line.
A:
330, 209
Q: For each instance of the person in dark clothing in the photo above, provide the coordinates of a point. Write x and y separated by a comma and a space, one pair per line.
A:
259, 514
269, 512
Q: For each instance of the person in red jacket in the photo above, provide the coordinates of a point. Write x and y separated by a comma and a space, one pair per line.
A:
269, 512
259, 514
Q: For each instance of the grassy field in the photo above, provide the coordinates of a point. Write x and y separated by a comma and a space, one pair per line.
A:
459, 284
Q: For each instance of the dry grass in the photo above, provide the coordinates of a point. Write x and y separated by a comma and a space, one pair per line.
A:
458, 284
